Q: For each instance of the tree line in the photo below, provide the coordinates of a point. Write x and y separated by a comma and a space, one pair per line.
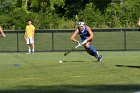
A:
64, 14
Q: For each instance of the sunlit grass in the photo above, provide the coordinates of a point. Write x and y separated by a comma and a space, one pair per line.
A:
78, 73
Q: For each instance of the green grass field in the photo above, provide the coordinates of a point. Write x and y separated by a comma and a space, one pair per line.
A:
119, 72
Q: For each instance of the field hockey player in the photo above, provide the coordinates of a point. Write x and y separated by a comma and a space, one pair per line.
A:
86, 36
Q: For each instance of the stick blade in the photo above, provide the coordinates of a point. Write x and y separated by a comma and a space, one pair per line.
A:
66, 53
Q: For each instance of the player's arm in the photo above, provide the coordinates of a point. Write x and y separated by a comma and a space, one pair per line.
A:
139, 23
73, 37
33, 32
1, 31
91, 34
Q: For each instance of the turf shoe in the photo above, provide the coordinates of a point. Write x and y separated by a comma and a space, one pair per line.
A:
100, 58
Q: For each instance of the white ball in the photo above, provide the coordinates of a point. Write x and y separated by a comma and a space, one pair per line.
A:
60, 61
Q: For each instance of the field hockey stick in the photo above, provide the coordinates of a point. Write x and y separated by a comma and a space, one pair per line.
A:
66, 53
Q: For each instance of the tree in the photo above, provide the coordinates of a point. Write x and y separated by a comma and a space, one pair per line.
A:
90, 15
96, 13
6, 5
101, 4
130, 12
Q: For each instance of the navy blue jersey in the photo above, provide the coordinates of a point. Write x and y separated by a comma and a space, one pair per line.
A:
84, 34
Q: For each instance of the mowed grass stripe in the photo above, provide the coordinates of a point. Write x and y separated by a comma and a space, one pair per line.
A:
78, 72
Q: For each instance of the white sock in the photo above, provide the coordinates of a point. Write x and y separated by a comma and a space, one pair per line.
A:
33, 50
29, 50
97, 55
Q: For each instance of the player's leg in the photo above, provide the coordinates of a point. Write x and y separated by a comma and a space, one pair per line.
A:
29, 48
32, 44
92, 51
28, 44
33, 47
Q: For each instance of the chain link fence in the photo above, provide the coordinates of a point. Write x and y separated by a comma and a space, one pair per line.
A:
59, 40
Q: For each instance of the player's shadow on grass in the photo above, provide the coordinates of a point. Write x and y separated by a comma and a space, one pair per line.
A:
128, 66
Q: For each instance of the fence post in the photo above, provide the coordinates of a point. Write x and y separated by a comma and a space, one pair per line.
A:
52, 40
17, 42
125, 40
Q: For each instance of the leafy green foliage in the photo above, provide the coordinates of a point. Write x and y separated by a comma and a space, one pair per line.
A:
6, 5
61, 14
90, 15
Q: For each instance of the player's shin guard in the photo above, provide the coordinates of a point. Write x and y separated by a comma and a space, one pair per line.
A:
92, 51
91, 47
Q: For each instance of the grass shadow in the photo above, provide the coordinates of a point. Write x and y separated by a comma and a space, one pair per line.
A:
128, 66
74, 89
